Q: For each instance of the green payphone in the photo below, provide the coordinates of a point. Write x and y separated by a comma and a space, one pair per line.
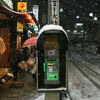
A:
52, 46
51, 69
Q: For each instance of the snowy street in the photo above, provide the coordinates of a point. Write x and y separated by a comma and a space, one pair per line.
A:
84, 81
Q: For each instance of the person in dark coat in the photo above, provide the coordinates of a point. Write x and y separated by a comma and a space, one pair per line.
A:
34, 56
14, 58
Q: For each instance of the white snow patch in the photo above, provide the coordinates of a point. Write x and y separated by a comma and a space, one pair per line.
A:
52, 27
40, 96
80, 88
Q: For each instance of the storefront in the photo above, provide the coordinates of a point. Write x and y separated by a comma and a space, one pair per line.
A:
5, 30
9, 33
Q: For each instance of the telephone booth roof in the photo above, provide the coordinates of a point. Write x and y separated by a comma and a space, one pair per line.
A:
52, 27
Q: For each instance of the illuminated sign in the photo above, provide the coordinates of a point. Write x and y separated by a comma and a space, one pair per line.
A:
79, 24
51, 52
22, 8
35, 28
35, 11
19, 27
50, 64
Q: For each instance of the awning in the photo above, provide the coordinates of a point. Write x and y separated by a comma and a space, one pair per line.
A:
28, 18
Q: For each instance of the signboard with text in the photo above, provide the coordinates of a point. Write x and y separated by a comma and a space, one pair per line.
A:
22, 8
55, 11
19, 27
35, 11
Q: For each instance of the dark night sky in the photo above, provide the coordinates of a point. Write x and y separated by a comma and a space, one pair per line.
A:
81, 8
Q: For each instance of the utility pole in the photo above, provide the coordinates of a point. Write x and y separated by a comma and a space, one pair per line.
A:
53, 18
53, 12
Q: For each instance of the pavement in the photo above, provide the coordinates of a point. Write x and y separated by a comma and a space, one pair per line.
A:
22, 89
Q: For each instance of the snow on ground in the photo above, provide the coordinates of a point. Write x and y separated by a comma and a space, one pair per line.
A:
39, 96
80, 88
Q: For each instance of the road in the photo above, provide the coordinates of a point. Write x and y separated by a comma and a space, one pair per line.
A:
84, 80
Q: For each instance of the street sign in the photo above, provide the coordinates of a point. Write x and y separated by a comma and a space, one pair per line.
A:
55, 11
35, 11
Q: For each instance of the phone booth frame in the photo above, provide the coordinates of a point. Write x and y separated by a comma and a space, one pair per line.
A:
58, 80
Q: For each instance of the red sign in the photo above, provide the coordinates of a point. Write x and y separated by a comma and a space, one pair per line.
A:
21, 5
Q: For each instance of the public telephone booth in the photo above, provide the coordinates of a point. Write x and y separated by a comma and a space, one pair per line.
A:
52, 47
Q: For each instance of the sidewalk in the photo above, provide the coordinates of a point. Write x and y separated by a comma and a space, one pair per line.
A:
22, 89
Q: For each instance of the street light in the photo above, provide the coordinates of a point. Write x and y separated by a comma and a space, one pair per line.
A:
77, 17
61, 9
95, 18
91, 14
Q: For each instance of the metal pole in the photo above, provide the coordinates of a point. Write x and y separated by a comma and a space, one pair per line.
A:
51, 3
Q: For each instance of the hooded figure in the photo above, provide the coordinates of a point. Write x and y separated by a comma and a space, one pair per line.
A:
14, 58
